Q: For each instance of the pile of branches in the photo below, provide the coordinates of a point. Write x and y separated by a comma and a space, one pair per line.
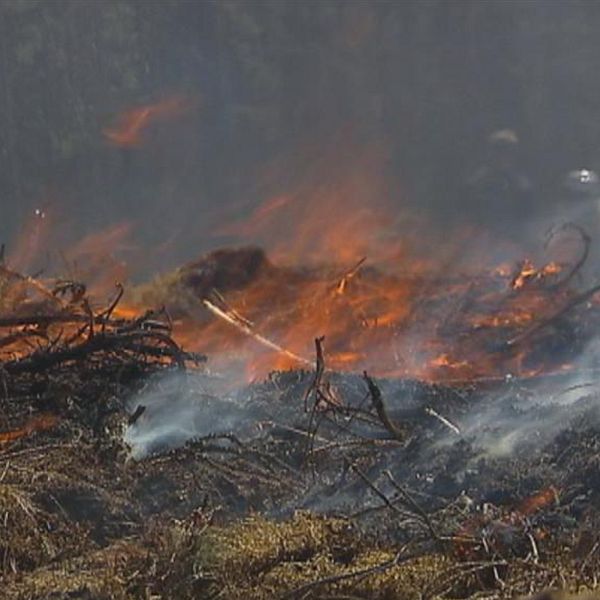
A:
52, 338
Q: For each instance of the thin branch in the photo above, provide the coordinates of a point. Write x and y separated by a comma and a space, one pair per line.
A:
379, 568
580, 299
242, 326
377, 400
410, 501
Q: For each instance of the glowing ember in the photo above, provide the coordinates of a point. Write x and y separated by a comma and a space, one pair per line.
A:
528, 273
39, 423
538, 501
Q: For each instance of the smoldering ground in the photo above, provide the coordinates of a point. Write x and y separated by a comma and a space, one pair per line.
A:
462, 441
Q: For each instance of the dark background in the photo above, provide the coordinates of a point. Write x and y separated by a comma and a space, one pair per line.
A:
273, 82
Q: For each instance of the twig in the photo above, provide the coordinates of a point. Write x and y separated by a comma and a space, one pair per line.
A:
442, 420
413, 505
377, 400
340, 288
106, 314
242, 326
33, 283
21, 335
589, 556
319, 370
324, 395
583, 297
293, 430
456, 573
585, 238
377, 491
103, 342
90, 314
534, 549
381, 567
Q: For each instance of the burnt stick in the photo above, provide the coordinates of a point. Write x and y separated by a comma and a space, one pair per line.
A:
377, 400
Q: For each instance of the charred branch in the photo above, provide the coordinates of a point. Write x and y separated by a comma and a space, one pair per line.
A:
377, 399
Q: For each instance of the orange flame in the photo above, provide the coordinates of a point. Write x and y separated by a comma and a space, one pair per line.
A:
39, 423
339, 265
528, 273
260, 218
131, 124
97, 258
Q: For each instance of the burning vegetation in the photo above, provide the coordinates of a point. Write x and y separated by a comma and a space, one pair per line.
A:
247, 426
324, 334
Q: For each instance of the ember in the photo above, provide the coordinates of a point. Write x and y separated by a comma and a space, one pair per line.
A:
39, 423
538, 501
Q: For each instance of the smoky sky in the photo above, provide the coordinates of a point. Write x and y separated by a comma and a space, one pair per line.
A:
272, 83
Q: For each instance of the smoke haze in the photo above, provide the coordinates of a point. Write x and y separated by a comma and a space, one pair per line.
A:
269, 87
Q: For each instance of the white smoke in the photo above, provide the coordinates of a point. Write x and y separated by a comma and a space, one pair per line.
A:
179, 407
525, 415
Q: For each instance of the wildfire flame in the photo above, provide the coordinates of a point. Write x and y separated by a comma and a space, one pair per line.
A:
337, 262
387, 322
131, 124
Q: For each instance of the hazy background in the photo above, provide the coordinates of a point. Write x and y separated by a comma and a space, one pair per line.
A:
272, 85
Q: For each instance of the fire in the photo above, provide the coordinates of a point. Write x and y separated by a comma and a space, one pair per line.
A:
387, 322
39, 423
89, 269
445, 361
391, 315
333, 256
97, 259
261, 217
528, 273
131, 124
503, 527
338, 262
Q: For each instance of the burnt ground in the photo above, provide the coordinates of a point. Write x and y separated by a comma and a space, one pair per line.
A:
297, 488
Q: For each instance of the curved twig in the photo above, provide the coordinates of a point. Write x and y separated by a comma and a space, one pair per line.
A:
586, 240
